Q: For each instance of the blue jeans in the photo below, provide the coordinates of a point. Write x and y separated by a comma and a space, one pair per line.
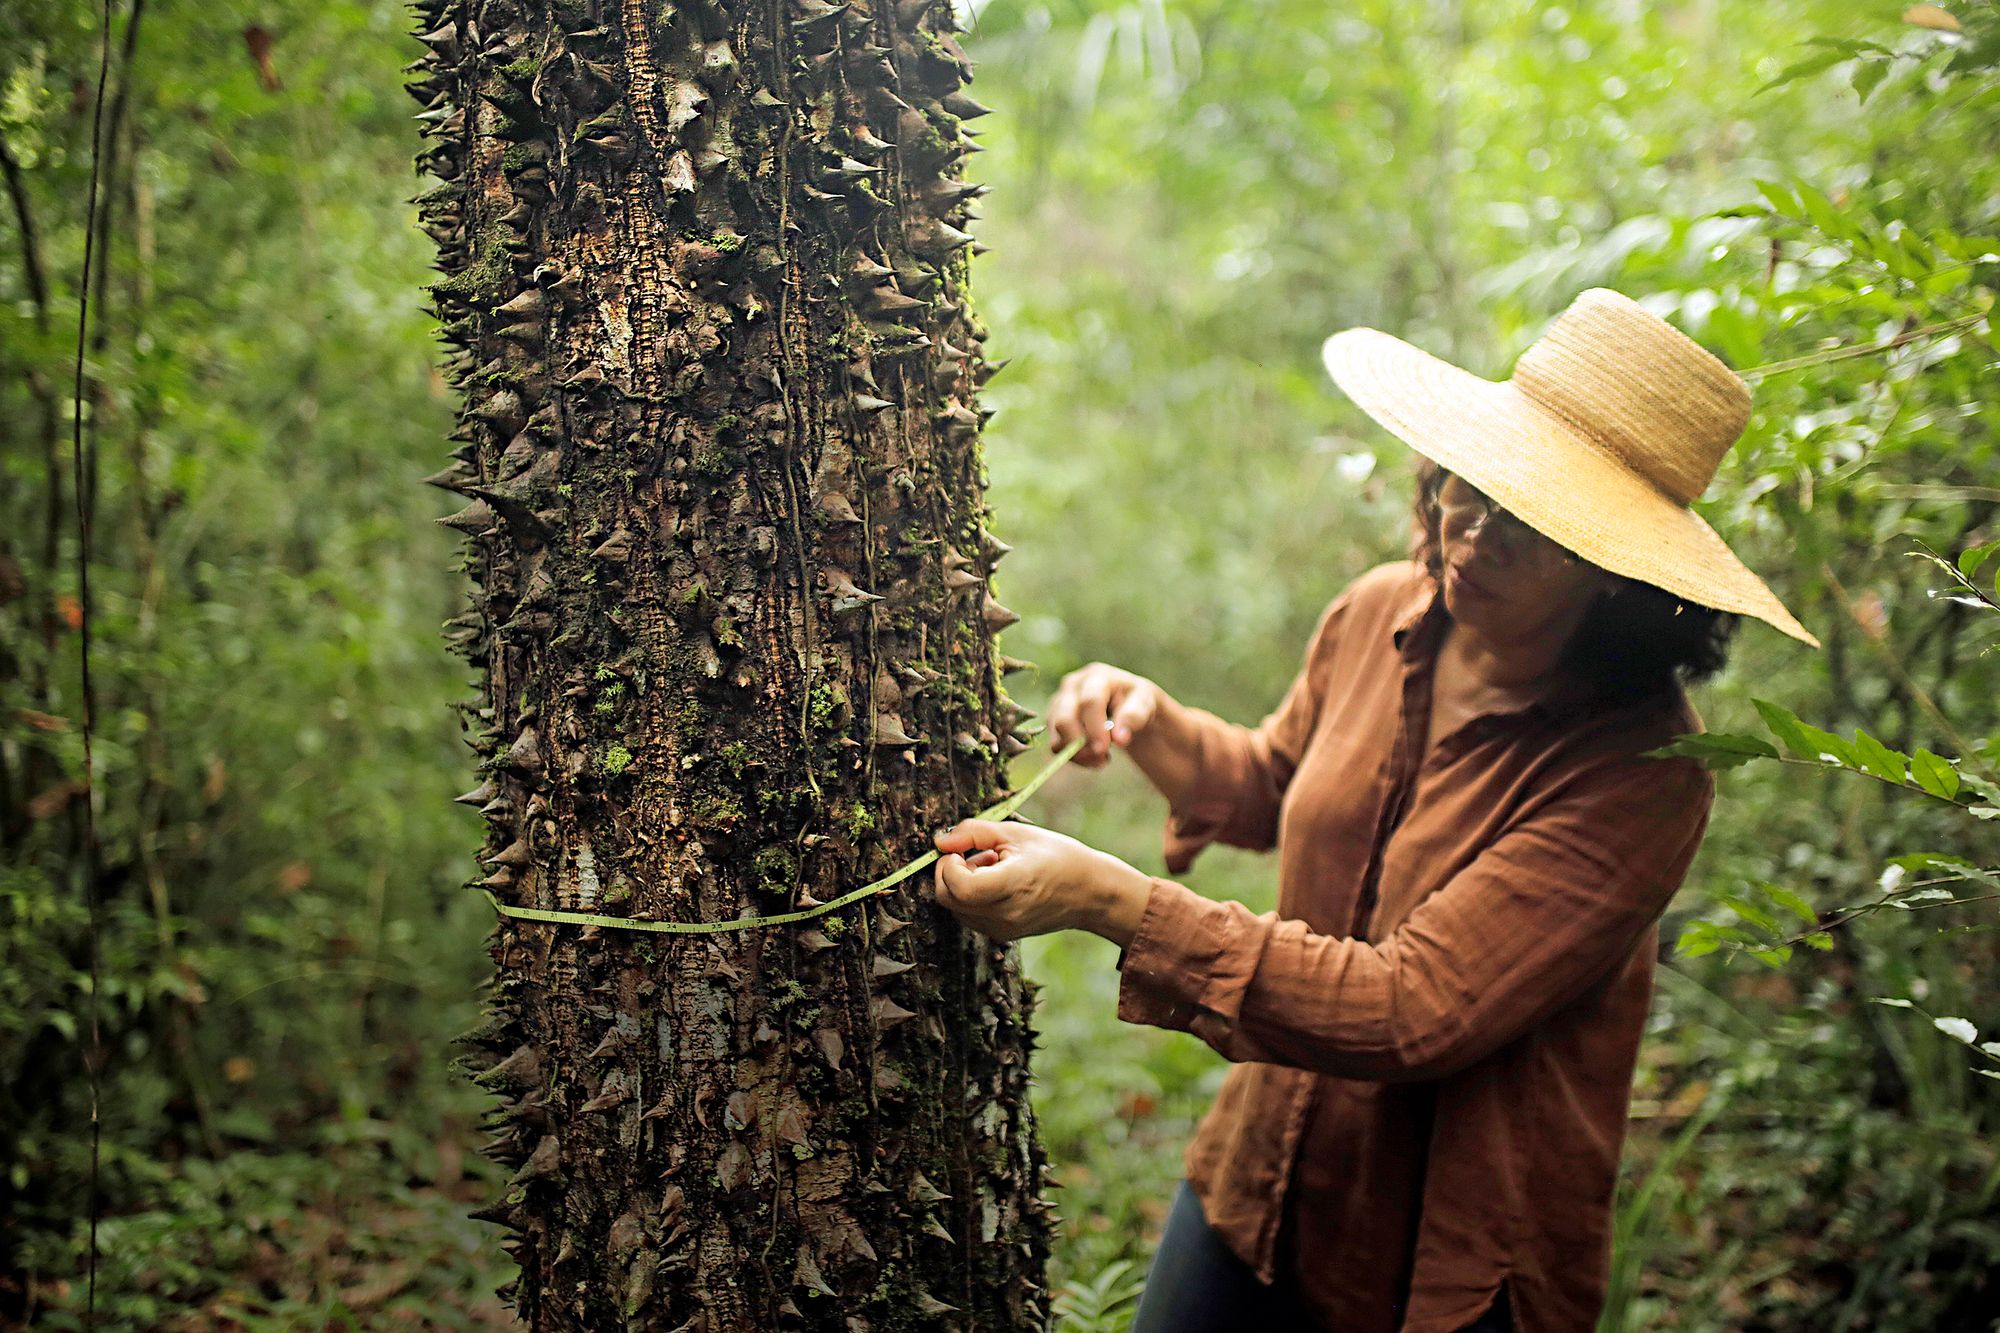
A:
1196, 1285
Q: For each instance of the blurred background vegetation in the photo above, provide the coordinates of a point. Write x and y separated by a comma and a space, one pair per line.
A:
1187, 196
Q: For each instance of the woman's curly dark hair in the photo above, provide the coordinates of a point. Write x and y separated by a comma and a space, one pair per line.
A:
1628, 647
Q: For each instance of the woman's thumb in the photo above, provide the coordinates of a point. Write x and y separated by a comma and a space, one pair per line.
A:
1131, 715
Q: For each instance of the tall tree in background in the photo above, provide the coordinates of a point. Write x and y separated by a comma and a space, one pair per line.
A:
705, 294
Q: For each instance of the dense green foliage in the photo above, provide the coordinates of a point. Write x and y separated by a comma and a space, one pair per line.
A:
284, 947
1226, 192
1186, 197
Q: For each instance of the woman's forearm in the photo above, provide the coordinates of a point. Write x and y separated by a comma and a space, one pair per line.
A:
1167, 749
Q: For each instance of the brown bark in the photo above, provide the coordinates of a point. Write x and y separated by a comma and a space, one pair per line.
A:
706, 291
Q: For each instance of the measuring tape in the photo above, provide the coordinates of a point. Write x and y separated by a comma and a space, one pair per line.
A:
999, 810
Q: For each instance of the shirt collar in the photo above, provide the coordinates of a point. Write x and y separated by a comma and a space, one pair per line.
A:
1415, 608
1415, 632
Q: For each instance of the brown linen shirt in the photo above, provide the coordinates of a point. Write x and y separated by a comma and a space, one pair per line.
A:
1435, 1032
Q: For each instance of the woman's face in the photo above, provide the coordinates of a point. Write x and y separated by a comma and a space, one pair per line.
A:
1503, 578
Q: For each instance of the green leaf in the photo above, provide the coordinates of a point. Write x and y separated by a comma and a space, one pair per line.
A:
1697, 940
1792, 903
1926, 896
1833, 749
1705, 937
1717, 749
1832, 51
1934, 774
1776, 956
1973, 557
1780, 198
1894, 251
1989, 790
1805, 740
1879, 759
1930, 861
1958, 1028
1750, 912
1820, 940
1785, 725
1823, 214
1933, 557
1852, 46
1919, 252
1867, 75
1801, 69
1955, 866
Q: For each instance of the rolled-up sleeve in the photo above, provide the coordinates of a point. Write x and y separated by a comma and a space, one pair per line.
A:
1544, 911
1243, 771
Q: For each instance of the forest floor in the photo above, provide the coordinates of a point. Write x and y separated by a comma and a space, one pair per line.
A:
347, 1239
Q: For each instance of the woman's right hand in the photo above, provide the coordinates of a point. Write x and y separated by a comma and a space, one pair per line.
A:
1106, 704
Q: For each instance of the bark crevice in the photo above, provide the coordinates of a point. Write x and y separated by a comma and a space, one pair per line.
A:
705, 295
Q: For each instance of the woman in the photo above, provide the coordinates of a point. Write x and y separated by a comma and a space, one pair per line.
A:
1434, 1034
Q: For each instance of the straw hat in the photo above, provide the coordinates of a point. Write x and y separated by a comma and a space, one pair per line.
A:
1611, 425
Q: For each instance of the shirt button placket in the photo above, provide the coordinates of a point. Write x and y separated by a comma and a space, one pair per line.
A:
1402, 773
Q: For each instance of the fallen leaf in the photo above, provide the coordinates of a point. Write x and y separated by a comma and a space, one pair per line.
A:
1933, 17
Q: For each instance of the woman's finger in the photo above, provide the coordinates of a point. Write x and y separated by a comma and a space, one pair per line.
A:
1092, 715
1134, 711
961, 887
972, 835
944, 879
1062, 712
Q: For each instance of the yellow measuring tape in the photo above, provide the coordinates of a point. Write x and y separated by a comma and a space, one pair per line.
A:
999, 810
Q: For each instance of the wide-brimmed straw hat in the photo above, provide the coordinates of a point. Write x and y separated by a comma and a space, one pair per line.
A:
1611, 425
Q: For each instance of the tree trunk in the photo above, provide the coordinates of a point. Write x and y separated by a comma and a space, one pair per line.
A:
705, 290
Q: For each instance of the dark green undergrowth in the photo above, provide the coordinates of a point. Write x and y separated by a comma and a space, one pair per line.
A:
1186, 198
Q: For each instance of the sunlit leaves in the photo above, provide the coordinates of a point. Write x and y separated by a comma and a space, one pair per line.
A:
1826, 52
1961, 1030
1924, 771
1932, 261
1769, 919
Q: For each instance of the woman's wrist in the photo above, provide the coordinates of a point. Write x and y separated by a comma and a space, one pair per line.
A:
1115, 901
1164, 749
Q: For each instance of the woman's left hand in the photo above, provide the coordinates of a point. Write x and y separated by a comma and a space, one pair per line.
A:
1009, 880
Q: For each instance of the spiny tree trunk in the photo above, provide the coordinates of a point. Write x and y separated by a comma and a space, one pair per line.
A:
705, 290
